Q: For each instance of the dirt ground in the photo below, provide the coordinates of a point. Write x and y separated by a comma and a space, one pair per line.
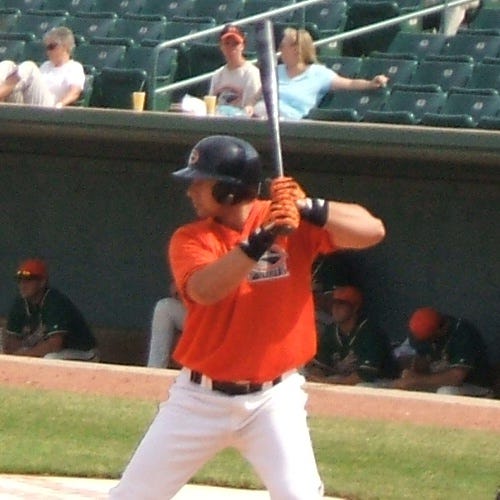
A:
327, 400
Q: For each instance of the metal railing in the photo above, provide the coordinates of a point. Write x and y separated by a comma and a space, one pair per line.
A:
282, 10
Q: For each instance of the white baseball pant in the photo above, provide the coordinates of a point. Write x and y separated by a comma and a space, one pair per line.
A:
269, 428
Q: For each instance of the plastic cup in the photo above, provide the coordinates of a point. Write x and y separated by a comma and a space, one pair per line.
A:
138, 100
210, 103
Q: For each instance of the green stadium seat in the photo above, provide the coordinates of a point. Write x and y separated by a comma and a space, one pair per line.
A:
486, 74
99, 54
119, 7
464, 108
474, 44
23, 5
113, 87
348, 105
420, 45
407, 104
223, 11
8, 19
442, 71
88, 25
347, 66
12, 50
396, 69
71, 6
34, 50
85, 97
361, 13
329, 16
168, 9
487, 18
253, 7
182, 26
143, 58
490, 122
39, 22
139, 27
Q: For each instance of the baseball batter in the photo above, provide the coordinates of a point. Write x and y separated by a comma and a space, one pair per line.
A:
246, 282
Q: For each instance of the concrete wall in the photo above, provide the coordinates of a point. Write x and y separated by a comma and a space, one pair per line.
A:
99, 205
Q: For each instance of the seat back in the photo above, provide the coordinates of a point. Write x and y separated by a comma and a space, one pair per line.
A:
85, 96
140, 27
487, 18
407, 104
476, 45
39, 22
446, 73
12, 50
253, 7
8, 19
23, 5
349, 105
182, 26
486, 74
88, 25
168, 9
464, 108
420, 45
71, 6
222, 11
119, 7
99, 55
397, 70
329, 16
346, 66
34, 50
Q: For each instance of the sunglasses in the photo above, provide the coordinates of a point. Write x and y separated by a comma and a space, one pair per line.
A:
51, 46
26, 276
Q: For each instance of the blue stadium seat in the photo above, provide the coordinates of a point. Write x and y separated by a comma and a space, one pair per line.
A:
464, 108
443, 71
348, 105
407, 104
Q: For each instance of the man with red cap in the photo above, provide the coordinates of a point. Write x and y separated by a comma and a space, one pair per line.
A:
43, 322
351, 351
451, 356
237, 83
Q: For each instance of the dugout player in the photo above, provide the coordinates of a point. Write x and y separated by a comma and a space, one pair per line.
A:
246, 282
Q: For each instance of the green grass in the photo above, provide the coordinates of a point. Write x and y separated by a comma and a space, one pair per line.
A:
49, 432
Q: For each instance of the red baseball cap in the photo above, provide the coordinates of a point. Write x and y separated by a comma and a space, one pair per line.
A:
231, 31
32, 268
350, 294
424, 323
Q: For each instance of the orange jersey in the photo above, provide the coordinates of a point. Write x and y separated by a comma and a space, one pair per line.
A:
266, 326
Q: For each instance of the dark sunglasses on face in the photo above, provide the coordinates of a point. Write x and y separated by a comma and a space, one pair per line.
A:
51, 46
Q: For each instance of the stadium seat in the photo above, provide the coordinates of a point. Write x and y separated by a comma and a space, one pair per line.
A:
364, 12
486, 74
39, 22
420, 45
253, 7
168, 9
406, 105
23, 5
222, 11
12, 50
343, 65
445, 72
329, 16
71, 6
119, 7
348, 105
490, 122
143, 58
34, 50
88, 25
8, 19
487, 18
113, 87
98, 54
473, 44
138, 27
182, 26
85, 97
397, 70
464, 108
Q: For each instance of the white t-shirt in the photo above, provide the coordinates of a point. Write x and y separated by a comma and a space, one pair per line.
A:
236, 87
59, 79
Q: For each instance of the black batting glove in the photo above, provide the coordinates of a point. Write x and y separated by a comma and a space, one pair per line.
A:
258, 242
314, 210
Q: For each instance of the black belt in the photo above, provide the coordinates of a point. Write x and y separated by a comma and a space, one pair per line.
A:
234, 388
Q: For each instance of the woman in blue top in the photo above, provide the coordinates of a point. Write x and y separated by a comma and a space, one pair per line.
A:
303, 82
